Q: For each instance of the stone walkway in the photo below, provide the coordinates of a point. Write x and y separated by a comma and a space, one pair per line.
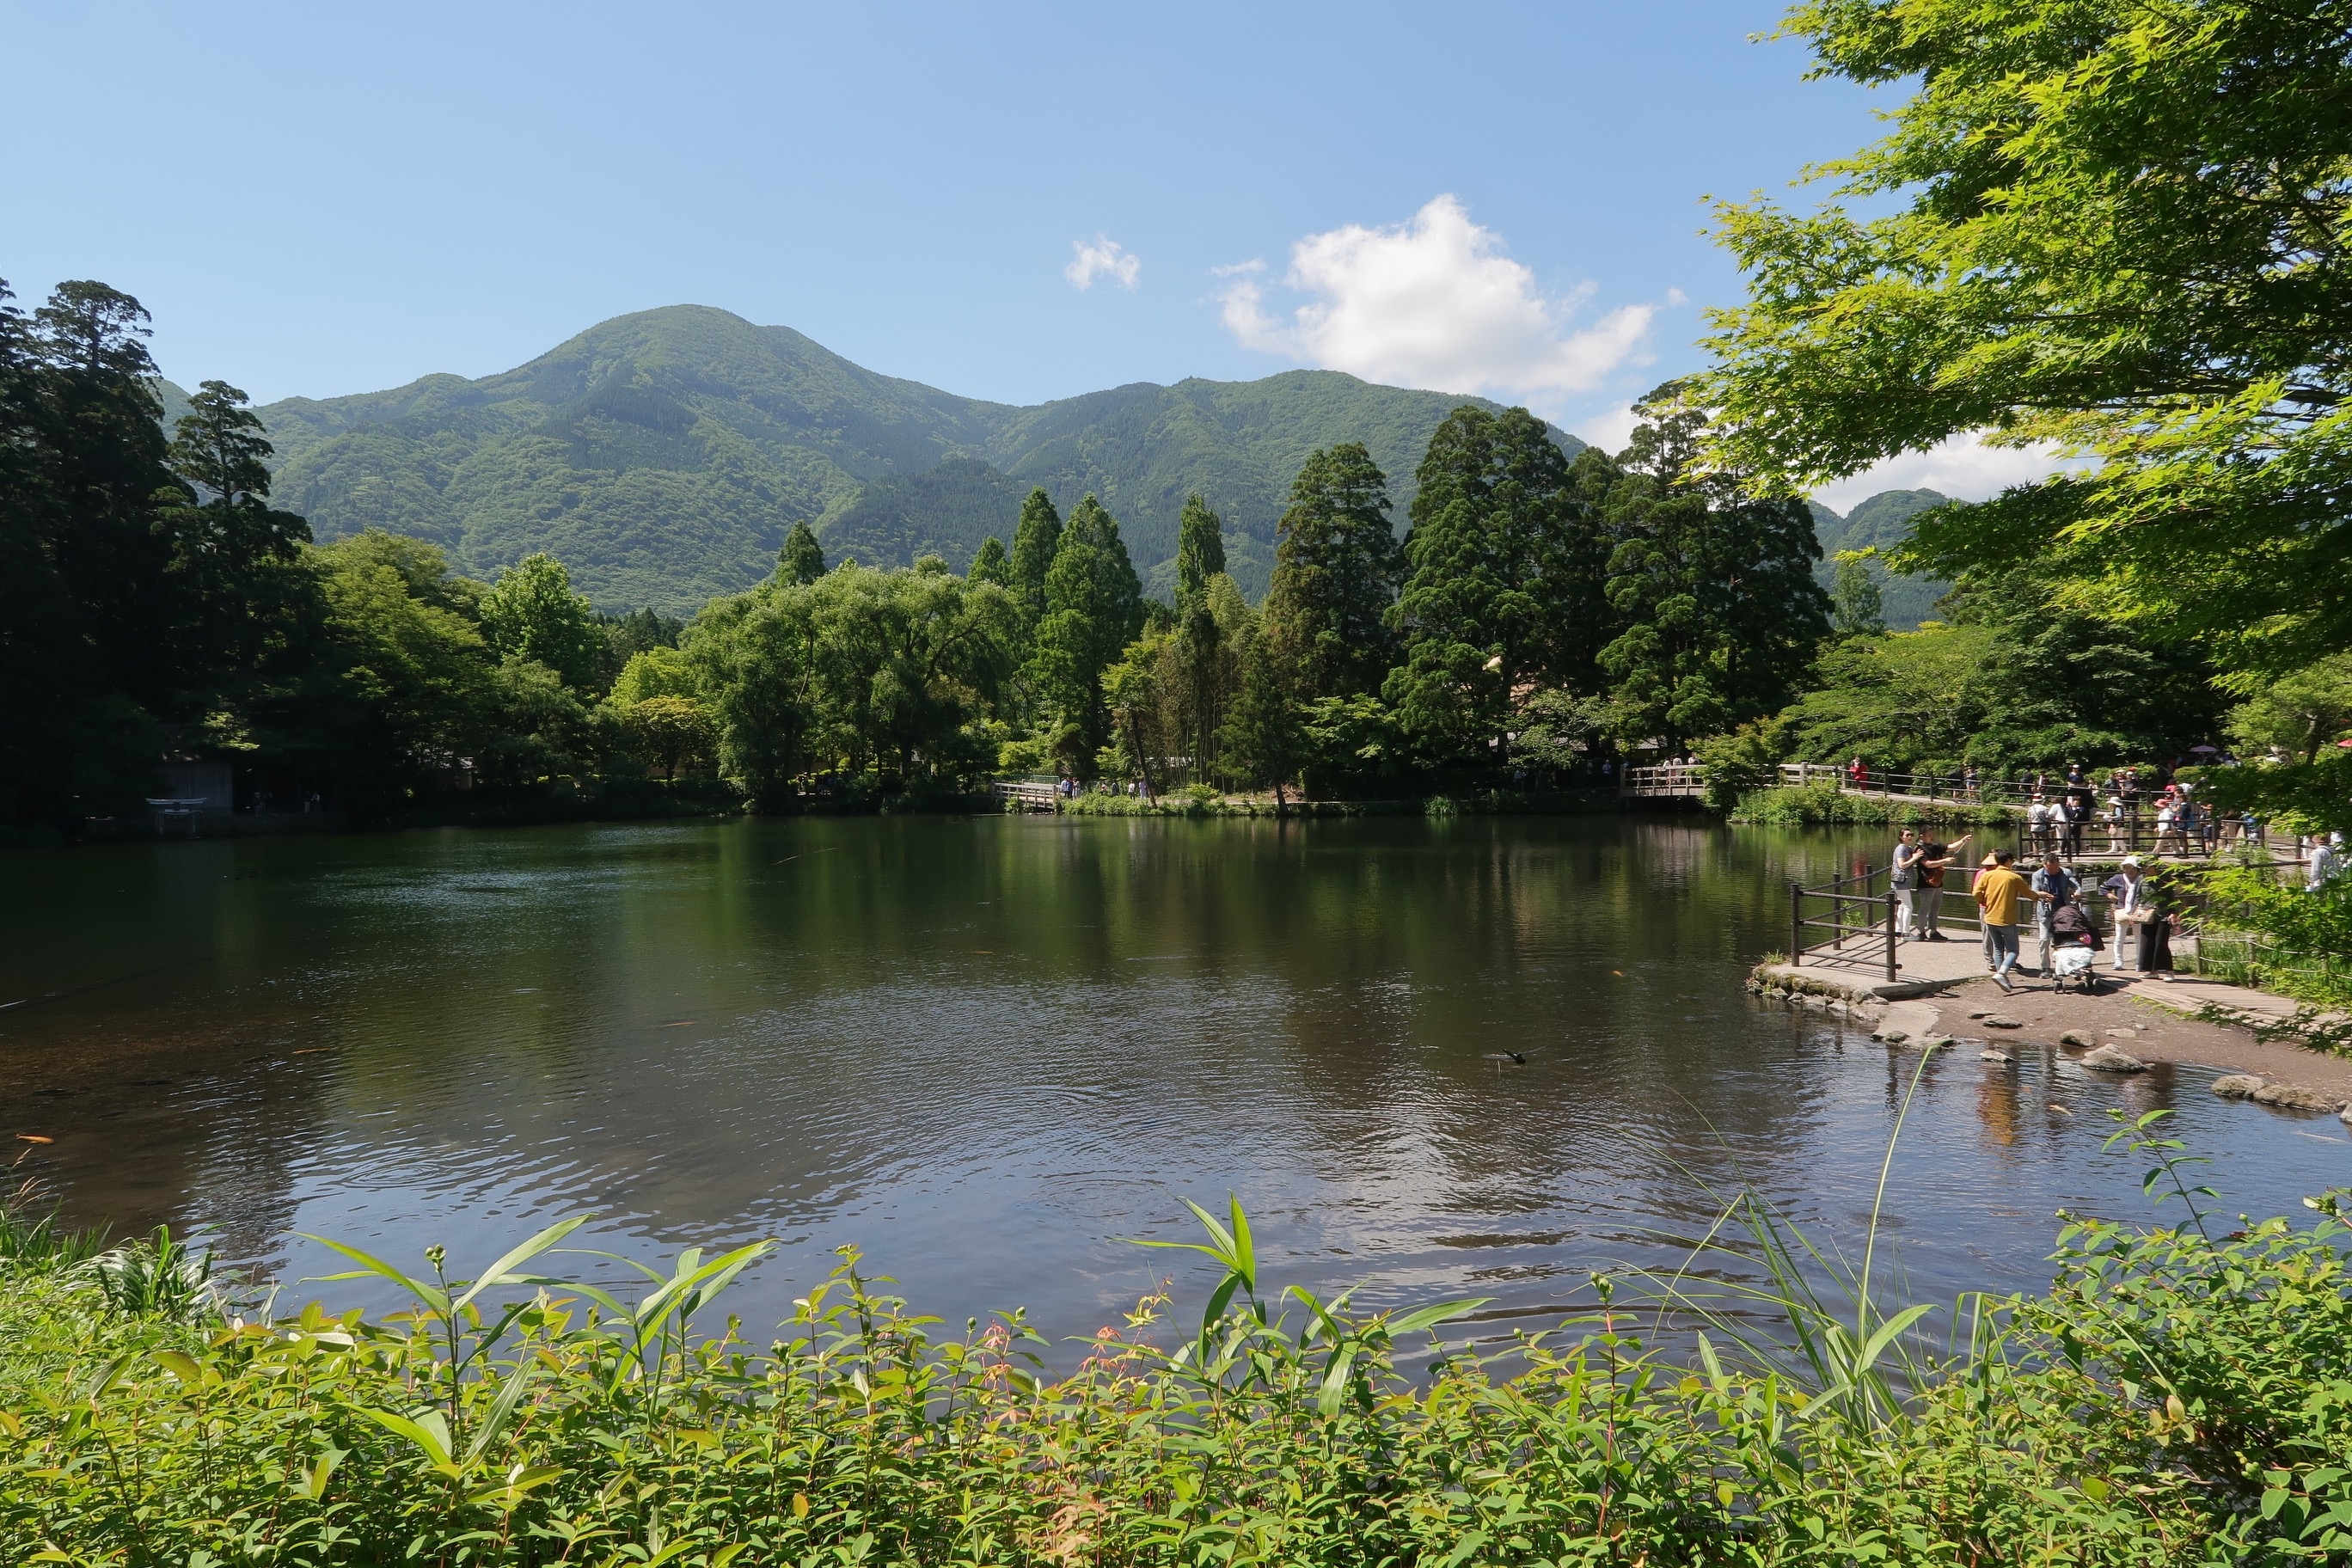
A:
1944, 992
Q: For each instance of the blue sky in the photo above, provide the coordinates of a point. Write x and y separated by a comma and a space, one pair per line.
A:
1015, 203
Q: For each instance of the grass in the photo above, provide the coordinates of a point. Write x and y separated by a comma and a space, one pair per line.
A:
2174, 1397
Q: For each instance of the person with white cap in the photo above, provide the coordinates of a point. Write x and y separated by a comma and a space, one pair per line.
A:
2327, 862
2127, 893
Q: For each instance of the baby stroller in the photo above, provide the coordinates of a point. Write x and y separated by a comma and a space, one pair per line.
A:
2073, 947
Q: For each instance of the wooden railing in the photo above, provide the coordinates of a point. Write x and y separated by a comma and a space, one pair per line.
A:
1663, 780
1027, 794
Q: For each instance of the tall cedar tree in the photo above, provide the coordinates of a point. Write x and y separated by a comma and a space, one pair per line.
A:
237, 603
1199, 560
990, 564
1508, 565
1714, 589
1335, 566
1263, 743
87, 651
1094, 608
1036, 540
2115, 226
802, 560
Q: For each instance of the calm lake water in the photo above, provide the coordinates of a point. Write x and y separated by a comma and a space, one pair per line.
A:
986, 1050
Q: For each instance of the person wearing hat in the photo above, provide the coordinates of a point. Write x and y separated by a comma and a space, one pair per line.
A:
1933, 859
2001, 892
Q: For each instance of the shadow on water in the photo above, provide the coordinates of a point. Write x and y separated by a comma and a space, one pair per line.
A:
985, 1049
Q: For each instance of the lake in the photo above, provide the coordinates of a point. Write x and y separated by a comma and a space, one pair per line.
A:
986, 1050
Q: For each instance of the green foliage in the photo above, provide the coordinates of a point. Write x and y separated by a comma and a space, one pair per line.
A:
2014, 682
2171, 1399
2297, 713
1325, 621
991, 565
1200, 551
1878, 526
1508, 562
880, 679
1857, 608
1035, 538
1717, 613
673, 733
532, 612
1263, 743
1093, 609
1748, 760
662, 456
802, 560
2305, 949
2108, 225
2295, 797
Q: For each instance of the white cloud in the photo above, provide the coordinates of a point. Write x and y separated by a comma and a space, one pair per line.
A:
1961, 467
1432, 302
1610, 431
1106, 258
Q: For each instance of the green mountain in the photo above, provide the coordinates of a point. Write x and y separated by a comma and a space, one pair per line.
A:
663, 455
1883, 522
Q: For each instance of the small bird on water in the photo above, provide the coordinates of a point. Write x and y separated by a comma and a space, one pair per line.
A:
1499, 1057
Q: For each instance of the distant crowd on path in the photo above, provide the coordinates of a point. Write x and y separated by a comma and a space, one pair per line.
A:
2071, 811
2144, 919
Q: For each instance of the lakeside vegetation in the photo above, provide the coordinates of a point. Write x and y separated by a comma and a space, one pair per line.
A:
2168, 1400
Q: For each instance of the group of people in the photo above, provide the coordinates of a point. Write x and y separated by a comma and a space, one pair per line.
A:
2142, 929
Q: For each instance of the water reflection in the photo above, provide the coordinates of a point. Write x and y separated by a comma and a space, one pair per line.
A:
987, 1049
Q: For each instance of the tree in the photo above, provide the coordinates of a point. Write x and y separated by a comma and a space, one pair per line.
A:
1263, 740
1713, 588
802, 560
990, 565
532, 612
1094, 608
1856, 607
1335, 572
2110, 226
2298, 713
1200, 551
1506, 592
669, 732
228, 545
1036, 541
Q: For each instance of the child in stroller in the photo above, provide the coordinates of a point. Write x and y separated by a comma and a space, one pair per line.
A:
2073, 945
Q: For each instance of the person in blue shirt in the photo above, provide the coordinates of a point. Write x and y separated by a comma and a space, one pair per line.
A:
2053, 885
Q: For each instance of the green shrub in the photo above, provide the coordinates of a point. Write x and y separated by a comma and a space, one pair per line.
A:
2173, 1398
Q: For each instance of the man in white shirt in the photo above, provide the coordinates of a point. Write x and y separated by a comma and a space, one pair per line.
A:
1903, 876
2327, 862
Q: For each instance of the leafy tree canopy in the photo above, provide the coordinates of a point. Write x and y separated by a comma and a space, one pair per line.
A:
2112, 225
1336, 570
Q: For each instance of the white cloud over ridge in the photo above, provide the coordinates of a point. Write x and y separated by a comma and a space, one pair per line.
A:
1106, 258
1961, 467
1432, 302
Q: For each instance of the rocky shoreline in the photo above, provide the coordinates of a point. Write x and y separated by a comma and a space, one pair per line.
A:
2123, 1032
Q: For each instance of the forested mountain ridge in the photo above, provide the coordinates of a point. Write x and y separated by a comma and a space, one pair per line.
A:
1883, 522
664, 455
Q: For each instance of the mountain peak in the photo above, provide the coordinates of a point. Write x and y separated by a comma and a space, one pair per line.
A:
662, 453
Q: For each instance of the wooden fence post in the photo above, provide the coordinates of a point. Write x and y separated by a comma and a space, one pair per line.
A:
1795, 925
1890, 936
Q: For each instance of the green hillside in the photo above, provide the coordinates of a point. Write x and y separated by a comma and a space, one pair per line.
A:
663, 456
1883, 521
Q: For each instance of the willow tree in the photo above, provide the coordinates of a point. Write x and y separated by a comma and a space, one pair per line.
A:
2116, 228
